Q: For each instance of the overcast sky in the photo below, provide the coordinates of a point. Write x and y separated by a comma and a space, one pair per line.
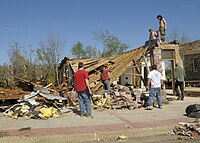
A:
29, 21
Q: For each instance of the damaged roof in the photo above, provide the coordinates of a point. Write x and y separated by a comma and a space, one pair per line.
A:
119, 64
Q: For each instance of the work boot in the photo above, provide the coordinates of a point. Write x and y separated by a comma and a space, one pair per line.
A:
178, 98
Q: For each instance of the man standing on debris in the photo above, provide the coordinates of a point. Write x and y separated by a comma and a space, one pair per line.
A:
81, 83
179, 75
105, 78
162, 27
155, 79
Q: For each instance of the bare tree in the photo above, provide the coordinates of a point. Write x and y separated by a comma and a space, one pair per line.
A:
175, 35
184, 38
48, 55
90, 52
32, 64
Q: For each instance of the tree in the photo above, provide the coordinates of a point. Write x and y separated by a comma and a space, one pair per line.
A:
78, 50
6, 76
81, 51
175, 35
90, 52
18, 59
111, 44
48, 56
31, 67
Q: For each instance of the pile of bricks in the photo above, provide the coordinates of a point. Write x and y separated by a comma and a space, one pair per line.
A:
190, 129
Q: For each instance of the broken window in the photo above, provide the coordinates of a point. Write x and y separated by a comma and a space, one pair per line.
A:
194, 65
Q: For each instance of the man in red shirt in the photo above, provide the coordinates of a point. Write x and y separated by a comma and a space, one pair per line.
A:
105, 78
81, 83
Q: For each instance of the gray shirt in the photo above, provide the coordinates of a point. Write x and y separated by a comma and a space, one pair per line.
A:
179, 74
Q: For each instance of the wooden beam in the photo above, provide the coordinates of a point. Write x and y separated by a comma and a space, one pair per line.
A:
133, 74
147, 67
140, 76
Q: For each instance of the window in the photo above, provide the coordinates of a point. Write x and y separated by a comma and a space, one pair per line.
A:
194, 65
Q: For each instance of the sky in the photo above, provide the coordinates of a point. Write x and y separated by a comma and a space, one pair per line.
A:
30, 21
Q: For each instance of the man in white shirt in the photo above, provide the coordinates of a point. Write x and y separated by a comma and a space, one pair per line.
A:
152, 35
155, 78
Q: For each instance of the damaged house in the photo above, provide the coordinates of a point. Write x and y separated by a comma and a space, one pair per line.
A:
127, 63
190, 54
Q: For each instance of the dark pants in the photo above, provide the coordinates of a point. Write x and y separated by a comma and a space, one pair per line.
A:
181, 86
162, 33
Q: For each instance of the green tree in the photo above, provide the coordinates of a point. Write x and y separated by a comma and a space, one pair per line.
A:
111, 44
78, 50
6, 76
81, 51
18, 59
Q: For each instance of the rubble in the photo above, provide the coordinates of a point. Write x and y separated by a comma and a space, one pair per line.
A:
120, 97
190, 129
39, 104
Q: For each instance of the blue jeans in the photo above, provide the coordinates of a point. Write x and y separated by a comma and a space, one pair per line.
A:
84, 98
155, 92
106, 84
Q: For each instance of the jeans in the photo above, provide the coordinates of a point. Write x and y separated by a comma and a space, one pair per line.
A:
155, 92
84, 98
181, 85
106, 84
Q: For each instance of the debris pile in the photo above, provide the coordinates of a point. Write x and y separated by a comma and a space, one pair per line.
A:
120, 97
190, 129
39, 104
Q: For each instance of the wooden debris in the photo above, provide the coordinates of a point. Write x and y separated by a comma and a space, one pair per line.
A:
6, 94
